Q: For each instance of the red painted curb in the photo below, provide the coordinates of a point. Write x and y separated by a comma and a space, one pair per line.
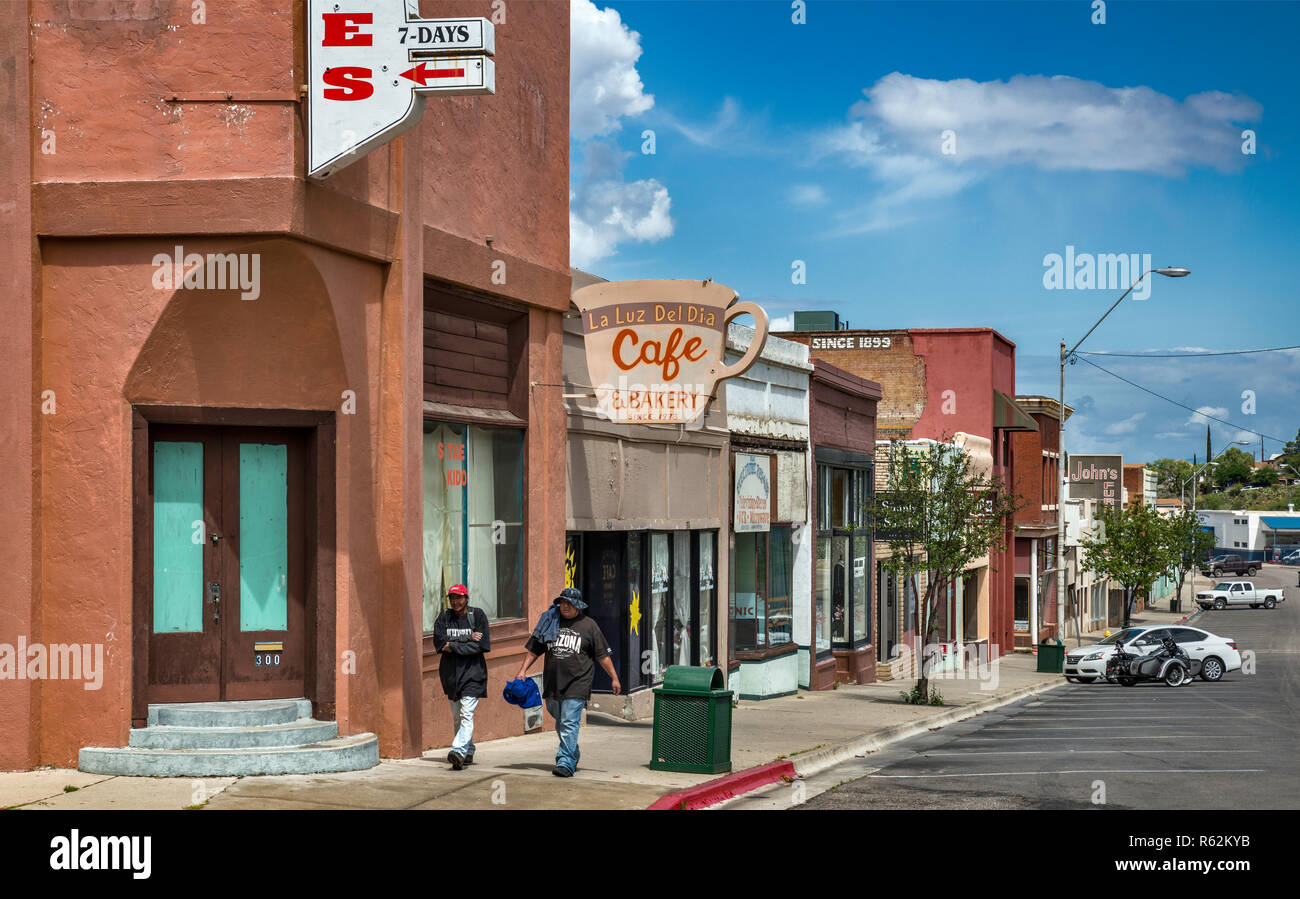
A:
714, 791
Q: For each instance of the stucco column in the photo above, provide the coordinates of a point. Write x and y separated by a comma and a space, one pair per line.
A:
20, 400
400, 647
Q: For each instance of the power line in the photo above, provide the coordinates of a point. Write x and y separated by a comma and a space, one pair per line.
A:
1180, 405
1274, 349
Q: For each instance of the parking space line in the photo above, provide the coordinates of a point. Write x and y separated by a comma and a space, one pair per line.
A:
1130, 718
1093, 727
1112, 738
931, 755
1081, 771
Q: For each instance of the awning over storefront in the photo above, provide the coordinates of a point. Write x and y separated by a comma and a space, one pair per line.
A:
1281, 522
1010, 417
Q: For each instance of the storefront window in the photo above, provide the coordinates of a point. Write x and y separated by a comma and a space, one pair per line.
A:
839, 589
861, 620
823, 602
843, 592
707, 556
681, 598
762, 586
749, 589
473, 517
780, 621
659, 605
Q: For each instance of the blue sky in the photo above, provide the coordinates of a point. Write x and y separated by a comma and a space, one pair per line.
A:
823, 142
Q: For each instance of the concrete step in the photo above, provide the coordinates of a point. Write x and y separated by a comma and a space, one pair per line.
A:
353, 753
250, 713
296, 733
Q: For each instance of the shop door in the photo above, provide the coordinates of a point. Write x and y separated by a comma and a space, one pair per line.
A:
888, 629
603, 555
227, 553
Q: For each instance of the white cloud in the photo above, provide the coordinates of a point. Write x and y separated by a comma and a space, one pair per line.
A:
603, 82
1199, 416
604, 87
1128, 425
1053, 123
781, 323
605, 210
1059, 122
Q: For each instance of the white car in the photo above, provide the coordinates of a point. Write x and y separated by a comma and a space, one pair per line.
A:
1292, 558
1217, 655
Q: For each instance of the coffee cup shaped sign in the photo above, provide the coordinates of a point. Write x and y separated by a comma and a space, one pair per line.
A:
655, 349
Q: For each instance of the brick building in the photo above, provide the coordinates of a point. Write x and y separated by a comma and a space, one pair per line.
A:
948, 384
1140, 484
263, 491
1037, 482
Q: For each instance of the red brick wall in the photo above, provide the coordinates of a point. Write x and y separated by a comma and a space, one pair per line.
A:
1027, 482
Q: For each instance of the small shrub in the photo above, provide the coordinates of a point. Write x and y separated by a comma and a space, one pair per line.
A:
913, 697
70, 789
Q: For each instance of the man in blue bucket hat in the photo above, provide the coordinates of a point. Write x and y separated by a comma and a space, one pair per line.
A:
572, 644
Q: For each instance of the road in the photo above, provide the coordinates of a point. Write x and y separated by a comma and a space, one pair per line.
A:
1226, 745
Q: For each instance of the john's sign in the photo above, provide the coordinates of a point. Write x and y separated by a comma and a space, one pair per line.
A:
655, 348
1096, 477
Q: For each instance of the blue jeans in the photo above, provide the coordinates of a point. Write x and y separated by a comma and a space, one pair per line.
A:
568, 718
462, 718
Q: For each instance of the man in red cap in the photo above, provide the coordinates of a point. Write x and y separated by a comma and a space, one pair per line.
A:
461, 635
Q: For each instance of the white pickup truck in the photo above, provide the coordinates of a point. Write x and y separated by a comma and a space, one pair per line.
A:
1239, 593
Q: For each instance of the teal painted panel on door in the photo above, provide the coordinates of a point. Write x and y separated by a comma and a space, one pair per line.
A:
263, 537
177, 537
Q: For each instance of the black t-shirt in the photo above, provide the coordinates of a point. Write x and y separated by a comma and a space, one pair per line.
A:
571, 659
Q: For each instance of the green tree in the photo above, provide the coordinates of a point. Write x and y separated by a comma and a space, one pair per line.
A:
937, 516
1185, 543
1128, 546
1291, 453
1234, 467
1264, 477
1171, 474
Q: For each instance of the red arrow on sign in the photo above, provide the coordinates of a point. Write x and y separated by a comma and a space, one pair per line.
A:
421, 75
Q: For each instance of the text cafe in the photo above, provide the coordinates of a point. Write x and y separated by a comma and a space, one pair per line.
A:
647, 479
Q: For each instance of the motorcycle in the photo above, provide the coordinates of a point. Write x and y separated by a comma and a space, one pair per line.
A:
1169, 664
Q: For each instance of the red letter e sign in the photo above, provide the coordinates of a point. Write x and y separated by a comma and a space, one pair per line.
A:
371, 70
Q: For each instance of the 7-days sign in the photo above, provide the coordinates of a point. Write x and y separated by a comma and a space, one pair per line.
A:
372, 62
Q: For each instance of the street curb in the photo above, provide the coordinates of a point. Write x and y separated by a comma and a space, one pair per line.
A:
723, 788
732, 785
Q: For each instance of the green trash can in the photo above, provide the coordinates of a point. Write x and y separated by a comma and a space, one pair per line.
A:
1175, 604
692, 726
1051, 656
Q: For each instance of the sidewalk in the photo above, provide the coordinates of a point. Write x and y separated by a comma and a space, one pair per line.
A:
803, 733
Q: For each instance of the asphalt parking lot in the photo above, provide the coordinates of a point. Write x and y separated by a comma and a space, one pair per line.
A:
1228, 745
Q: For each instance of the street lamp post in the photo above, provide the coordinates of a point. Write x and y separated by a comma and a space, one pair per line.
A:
1060, 449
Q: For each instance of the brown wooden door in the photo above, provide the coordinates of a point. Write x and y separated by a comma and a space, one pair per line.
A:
228, 558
